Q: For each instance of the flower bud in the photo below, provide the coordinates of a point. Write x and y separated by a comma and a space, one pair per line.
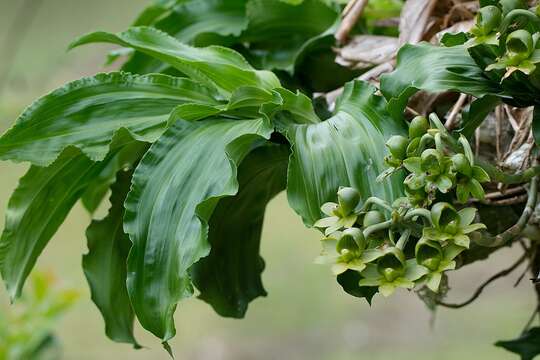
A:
462, 165
392, 264
348, 199
397, 145
519, 45
488, 19
429, 254
418, 127
373, 217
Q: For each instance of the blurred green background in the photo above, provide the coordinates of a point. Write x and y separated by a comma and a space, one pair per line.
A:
306, 315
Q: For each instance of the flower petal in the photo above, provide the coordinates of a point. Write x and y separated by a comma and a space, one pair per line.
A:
414, 271
339, 268
371, 254
371, 272
328, 208
326, 222
473, 227
433, 281
466, 216
462, 240
387, 289
413, 164
444, 183
369, 282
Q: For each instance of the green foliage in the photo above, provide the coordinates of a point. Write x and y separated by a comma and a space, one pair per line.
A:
26, 330
193, 155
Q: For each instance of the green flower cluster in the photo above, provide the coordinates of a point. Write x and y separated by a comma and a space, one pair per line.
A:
414, 240
512, 30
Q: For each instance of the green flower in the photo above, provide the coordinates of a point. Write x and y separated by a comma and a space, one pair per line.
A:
436, 260
487, 24
468, 179
392, 271
452, 225
521, 54
341, 215
347, 251
431, 171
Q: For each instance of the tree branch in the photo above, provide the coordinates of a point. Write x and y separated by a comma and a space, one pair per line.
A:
481, 288
351, 16
516, 229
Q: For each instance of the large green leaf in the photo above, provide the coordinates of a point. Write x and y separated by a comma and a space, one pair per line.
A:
230, 277
195, 22
193, 19
433, 69
345, 150
175, 189
272, 34
214, 65
279, 33
88, 112
39, 205
105, 265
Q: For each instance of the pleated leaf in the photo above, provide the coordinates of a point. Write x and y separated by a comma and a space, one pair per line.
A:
214, 66
279, 33
433, 69
98, 188
175, 189
345, 150
195, 22
105, 266
190, 20
88, 112
230, 277
38, 207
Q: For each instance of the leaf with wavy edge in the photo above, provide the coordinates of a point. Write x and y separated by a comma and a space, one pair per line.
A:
214, 65
279, 34
105, 265
175, 189
98, 188
88, 112
40, 204
345, 150
195, 22
230, 277
433, 68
